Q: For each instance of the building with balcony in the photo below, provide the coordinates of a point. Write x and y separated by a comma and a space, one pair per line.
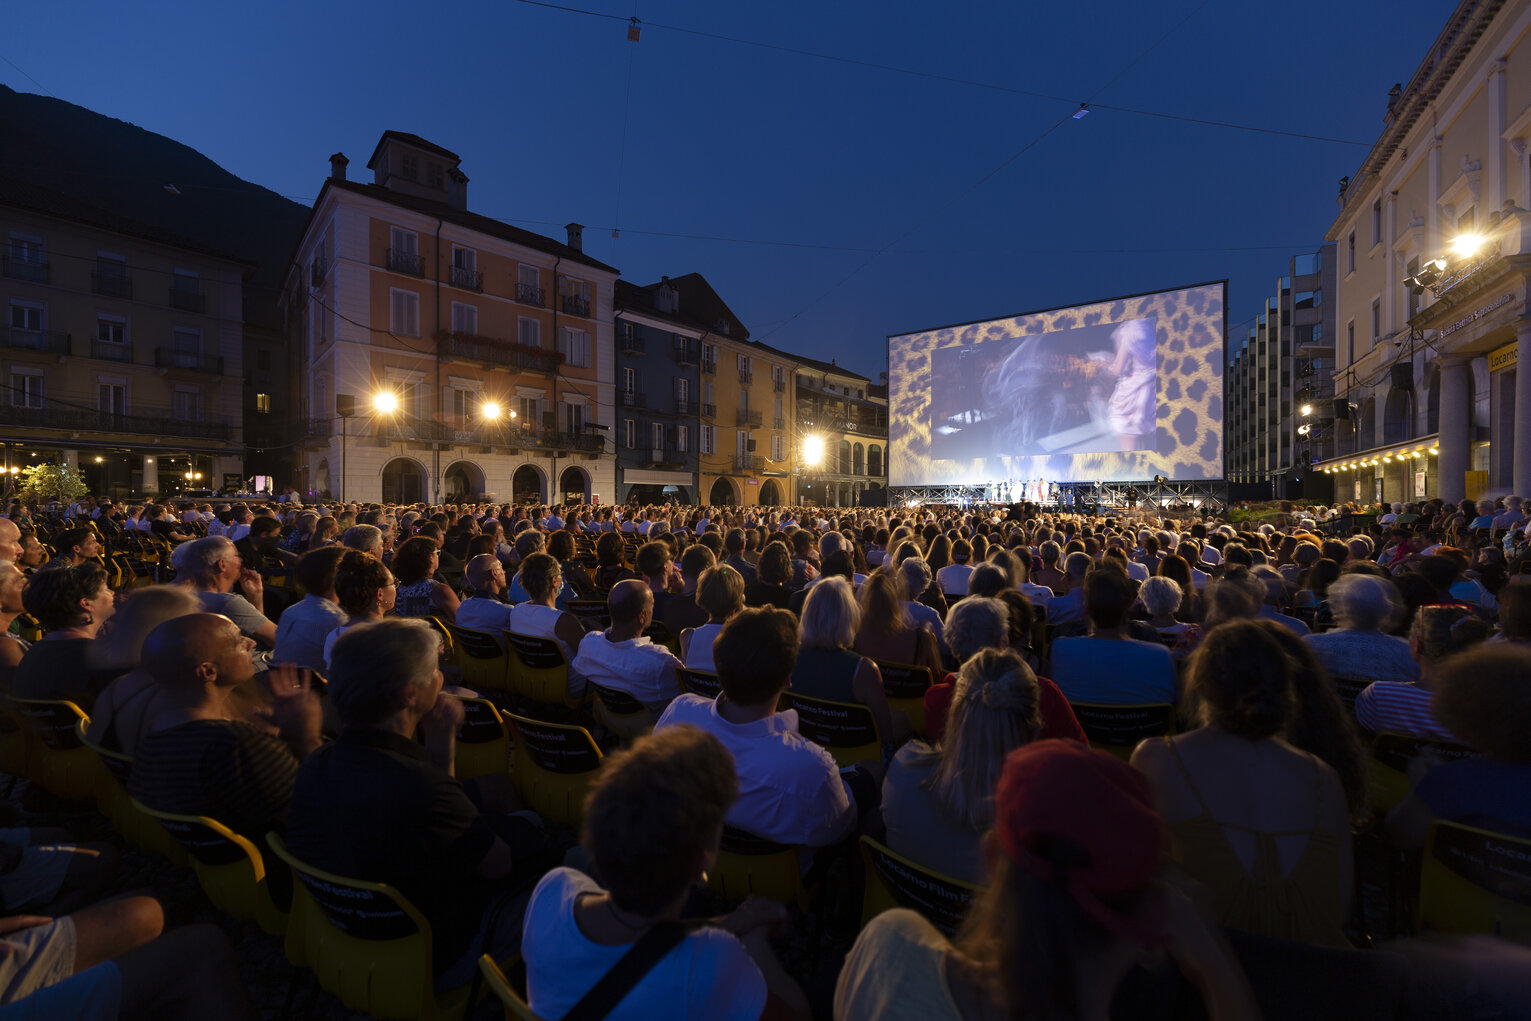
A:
659, 357
1278, 386
842, 427
1433, 243
121, 348
489, 346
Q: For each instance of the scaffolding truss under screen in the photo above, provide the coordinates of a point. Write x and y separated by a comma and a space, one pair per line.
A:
1202, 497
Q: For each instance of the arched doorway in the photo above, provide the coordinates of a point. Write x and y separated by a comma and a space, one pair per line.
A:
858, 460
464, 481
721, 494
526, 485
874, 460
845, 457
1395, 416
403, 481
574, 485
770, 493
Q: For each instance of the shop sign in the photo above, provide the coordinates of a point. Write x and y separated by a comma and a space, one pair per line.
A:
1504, 358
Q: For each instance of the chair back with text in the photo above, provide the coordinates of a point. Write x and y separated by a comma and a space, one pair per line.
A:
893, 881
483, 741
366, 944
553, 766
699, 682
905, 685
1348, 688
229, 868
1118, 728
846, 729
748, 866
58, 761
1387, 765
479, 656
594, 614
538, 670
1476, 881
617, 703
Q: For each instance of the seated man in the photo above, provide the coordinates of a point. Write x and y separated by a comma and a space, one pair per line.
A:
378, 805
485, 610
261, 549
681, 611
212, 566
623, 658
200, 757
1067, 611
1108, 666
75, 546
307, 623
790, 789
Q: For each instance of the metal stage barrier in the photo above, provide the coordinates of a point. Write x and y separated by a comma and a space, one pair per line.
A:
1202, 498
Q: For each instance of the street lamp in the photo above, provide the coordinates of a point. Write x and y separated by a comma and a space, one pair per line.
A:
385, 402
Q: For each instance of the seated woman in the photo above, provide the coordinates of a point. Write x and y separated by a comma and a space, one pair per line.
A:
1072, 902
539, 616
1161, 596
365, 590
720, 592
827, 668
71, 603
885, 634
772, 574
937, 800
1364, 607
1264, 826
420, 595
562, 547
652, 824
123, 712
1402, 707
1484, 697
610, 563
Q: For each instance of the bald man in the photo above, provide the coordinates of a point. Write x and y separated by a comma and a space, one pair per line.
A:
485, 610
199, 758
624, 659
10, 541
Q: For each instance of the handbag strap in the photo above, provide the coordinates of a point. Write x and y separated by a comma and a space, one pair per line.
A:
639, 960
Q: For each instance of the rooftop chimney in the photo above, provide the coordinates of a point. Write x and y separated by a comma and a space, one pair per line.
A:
338, 166
457, 189
576, 236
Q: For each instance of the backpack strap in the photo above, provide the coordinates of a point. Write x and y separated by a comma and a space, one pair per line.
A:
639, 960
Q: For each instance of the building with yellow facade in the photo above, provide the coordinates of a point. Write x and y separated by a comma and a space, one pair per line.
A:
842, 423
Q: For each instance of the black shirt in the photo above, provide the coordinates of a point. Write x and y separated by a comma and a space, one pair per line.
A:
370, 806
163, 527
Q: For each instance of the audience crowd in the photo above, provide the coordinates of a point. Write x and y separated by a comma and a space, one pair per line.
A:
1141, 743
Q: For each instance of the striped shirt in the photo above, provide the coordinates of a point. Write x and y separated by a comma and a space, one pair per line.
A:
1399, 708
226, 769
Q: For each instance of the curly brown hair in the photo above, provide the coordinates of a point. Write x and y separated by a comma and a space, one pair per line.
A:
655, 812
359, 577
1239, 680
412, 560
1483, 696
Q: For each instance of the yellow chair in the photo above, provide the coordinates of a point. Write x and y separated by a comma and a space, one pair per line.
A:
1387, 765
479, 656
29, 628
367, 945
750, 865
700, 682
553, 766
136, 827
1118, 728
58, 761
905, 685
516, 1008
538, 670
594, 614
483, 742
893, 881
659, 634
621, 713
230, 869
1476, 881
846, 729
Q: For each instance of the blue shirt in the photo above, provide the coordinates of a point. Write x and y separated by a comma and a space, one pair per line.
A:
1115, 672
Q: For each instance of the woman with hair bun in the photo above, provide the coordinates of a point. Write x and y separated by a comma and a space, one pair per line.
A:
1263, 825
938, 801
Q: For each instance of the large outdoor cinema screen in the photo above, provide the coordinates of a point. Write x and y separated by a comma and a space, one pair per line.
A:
1116, 391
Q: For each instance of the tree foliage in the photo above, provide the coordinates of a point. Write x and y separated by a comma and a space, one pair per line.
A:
50, 482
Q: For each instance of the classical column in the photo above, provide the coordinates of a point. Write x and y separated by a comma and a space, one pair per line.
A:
1453, 441
1496, 115
151, 474
1520, 470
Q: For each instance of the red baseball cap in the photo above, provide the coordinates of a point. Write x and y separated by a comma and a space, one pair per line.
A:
1067, 813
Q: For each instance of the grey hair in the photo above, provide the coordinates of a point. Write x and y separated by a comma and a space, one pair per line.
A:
975, 624
831, 615
528, 542
199, 559
1077, 565
996, 707
1160, 595
831, 542
1365, 602
373, 665
916, 575
367, 538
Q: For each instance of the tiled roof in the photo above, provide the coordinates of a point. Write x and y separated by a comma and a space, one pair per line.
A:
417, 142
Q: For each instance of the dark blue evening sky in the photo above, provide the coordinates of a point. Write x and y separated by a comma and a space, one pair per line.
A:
899, 178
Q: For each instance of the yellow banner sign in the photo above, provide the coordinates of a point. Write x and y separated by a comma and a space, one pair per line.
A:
1504, 358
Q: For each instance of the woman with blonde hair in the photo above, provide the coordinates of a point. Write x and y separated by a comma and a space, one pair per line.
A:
124, 711
937, 800
885, 634
828, 668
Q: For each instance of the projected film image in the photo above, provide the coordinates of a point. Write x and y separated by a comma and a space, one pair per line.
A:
1119, 390
1085, 390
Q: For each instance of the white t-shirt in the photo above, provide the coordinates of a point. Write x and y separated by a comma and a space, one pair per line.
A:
480, 613
709, 975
